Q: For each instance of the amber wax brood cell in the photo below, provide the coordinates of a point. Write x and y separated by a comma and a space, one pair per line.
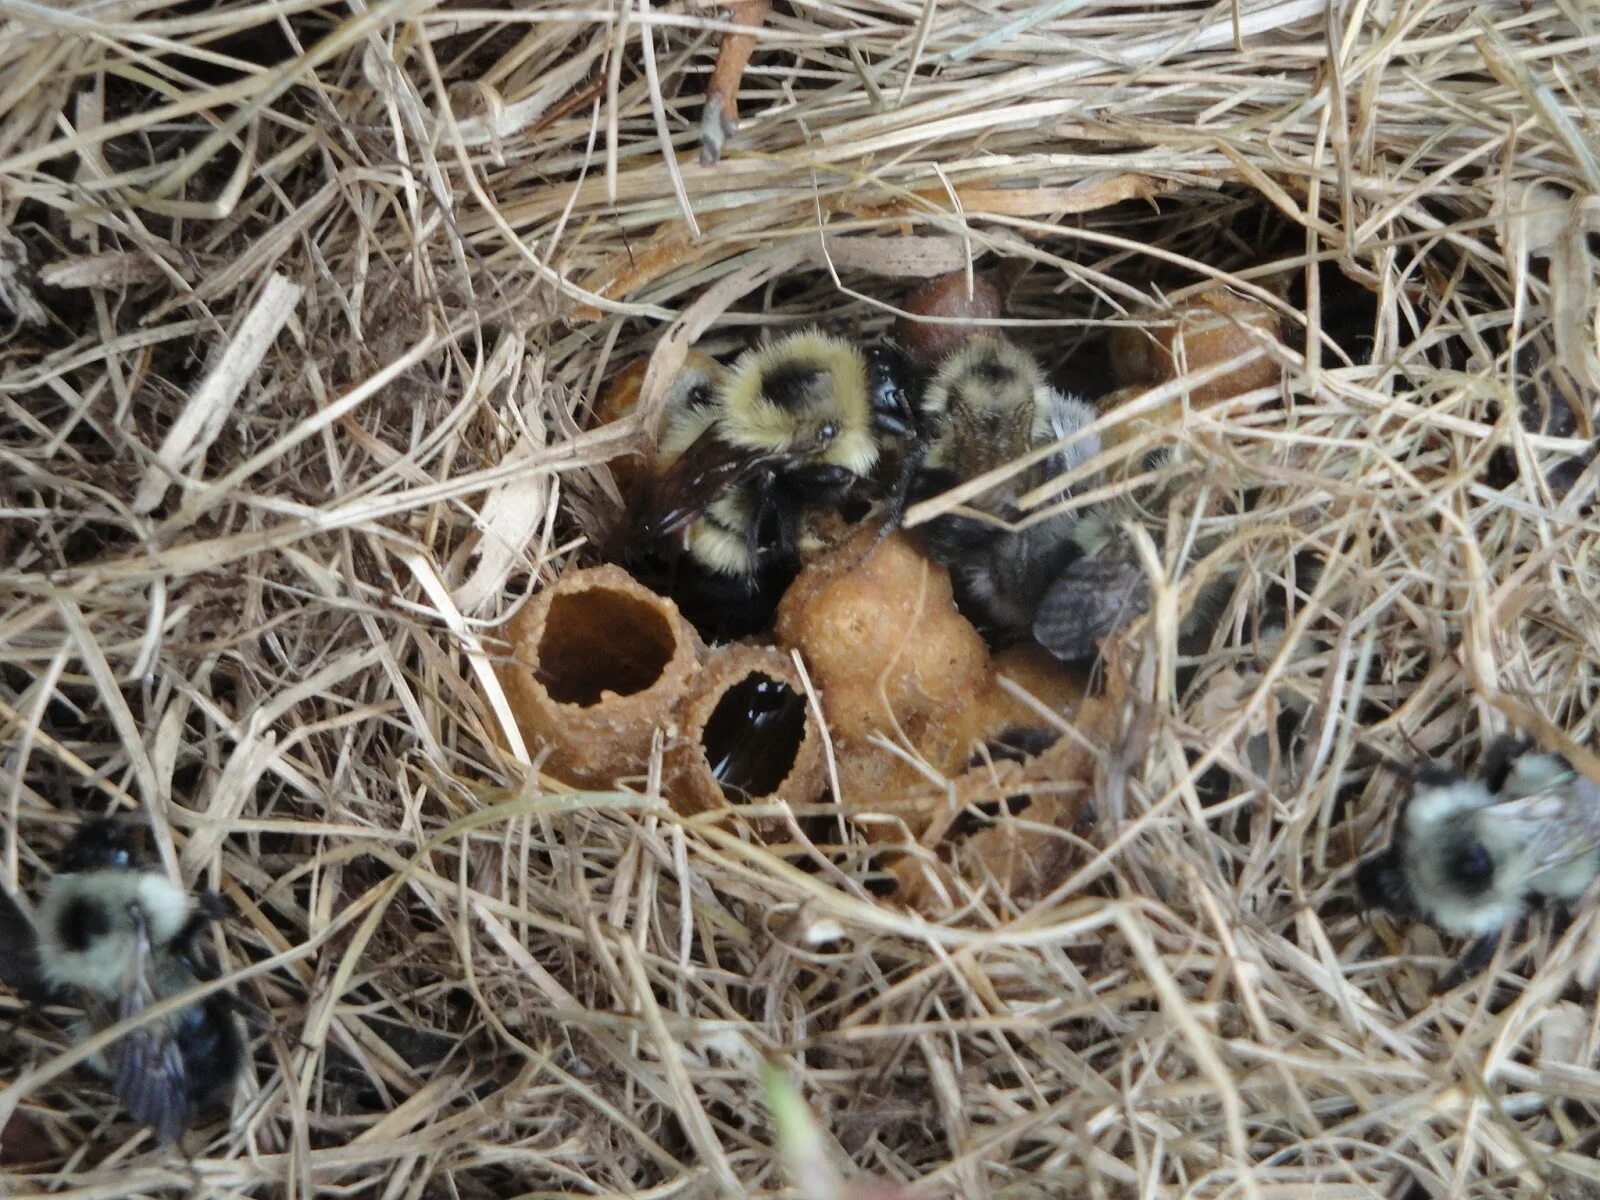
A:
746, 735
960, 305
1214, 327
597, 663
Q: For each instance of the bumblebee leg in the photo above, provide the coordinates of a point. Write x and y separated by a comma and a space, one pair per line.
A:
819, 479
773, 522
208, 908
900, 493
1475, 959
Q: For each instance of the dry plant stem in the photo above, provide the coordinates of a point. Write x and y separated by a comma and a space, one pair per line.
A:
1023, 855
598, 663
721, 117
277, 662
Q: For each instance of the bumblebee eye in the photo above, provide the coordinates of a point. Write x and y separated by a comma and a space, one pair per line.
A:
1472, 867
828, 432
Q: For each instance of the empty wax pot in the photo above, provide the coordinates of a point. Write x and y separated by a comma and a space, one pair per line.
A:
746, 734
1211, 328
927, 343
598, 662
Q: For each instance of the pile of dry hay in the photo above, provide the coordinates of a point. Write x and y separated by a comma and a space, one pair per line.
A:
305, 304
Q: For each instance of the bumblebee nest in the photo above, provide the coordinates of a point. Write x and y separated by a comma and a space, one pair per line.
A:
305, 308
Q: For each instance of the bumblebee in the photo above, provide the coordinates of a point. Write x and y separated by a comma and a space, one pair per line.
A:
793, 425
1471, 853
115, 935
987, 405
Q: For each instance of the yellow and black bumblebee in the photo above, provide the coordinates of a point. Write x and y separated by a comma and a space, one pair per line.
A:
988, 405
802, 422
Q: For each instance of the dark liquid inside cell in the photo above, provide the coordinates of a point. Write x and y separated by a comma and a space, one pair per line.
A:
754, 735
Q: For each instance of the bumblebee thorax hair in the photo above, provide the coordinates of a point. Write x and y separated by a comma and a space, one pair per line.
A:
1439, 798
992, 403
807, 391
1453, 864
986, 374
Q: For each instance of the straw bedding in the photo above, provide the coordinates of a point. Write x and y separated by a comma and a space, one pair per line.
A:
306, 304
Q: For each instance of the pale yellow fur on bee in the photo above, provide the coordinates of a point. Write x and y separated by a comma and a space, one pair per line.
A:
753, 422
989, 378
683, 422
971, 363
718, 541
162, 904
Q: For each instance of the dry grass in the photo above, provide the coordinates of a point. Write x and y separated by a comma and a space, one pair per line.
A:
296, 361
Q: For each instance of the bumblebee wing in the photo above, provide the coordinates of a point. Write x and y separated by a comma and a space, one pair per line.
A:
1090, 600
1555, 828
147, 1071
19, 953
693, 480
1068, 414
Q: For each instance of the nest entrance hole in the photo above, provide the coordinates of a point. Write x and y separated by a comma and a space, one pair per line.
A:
754, 736
599, 641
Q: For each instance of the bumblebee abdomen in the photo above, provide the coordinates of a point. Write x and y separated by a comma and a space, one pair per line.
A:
719, 549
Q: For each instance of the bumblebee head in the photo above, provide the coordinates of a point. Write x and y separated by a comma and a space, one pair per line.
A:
102, 844
892, 384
